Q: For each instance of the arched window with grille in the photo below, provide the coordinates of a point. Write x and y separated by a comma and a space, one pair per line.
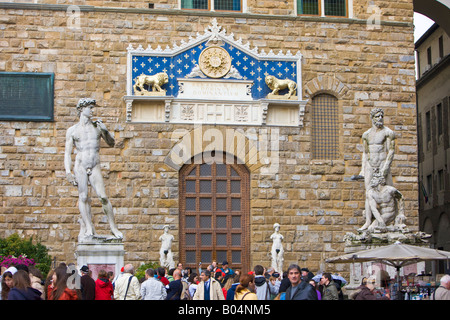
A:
214, 214
325, 127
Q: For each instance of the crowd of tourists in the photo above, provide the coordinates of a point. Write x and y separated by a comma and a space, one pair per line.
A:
213, 283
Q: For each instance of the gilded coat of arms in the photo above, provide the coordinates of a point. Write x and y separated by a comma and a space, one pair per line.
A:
215, 62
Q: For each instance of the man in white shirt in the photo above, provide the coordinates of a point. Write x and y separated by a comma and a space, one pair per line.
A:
443, 292
152, 288
127, 286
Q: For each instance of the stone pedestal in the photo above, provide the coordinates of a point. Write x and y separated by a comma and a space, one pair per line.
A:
101, 255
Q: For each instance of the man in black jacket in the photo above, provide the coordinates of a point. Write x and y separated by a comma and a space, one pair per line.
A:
87, 284
175, 287
299, 290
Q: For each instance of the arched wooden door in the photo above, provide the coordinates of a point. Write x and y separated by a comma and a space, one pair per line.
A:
214, 215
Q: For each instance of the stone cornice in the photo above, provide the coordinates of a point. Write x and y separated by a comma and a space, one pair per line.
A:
430, 74
84, 8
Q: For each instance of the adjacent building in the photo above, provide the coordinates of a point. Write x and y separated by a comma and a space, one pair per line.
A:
433, 91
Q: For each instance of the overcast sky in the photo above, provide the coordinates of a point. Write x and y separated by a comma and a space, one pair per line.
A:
421, 25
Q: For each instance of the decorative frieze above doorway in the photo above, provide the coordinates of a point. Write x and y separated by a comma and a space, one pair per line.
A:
214, 79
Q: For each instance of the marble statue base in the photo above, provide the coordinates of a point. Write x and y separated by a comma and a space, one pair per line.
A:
101, 254
388, 235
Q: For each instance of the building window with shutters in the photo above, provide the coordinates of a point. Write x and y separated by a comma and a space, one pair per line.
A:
212, 5
337, 8
325, 127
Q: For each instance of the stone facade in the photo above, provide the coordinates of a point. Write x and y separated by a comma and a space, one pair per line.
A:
313, 200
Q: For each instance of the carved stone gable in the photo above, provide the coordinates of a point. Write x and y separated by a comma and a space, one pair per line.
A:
212, 68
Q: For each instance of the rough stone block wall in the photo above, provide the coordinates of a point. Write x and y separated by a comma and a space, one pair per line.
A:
314, 201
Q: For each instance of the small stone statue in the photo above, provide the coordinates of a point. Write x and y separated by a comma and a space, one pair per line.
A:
277, 249
378, 153
165, 253
85, 136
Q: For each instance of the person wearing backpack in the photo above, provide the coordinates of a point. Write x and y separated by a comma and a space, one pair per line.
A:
127, 286
262, 287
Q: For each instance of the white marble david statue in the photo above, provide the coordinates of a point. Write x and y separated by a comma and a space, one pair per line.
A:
165, 253
277, 249
85, 137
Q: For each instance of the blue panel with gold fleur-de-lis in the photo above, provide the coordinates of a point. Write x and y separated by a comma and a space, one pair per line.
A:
181, 65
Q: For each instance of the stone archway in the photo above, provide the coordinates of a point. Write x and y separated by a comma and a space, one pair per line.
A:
442, 237
325, 84
437, 10
258, 149
203, 139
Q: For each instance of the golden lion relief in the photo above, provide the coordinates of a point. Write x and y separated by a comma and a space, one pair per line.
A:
155, 81
276, 85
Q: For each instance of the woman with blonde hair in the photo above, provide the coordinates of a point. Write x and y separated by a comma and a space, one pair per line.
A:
245, 290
